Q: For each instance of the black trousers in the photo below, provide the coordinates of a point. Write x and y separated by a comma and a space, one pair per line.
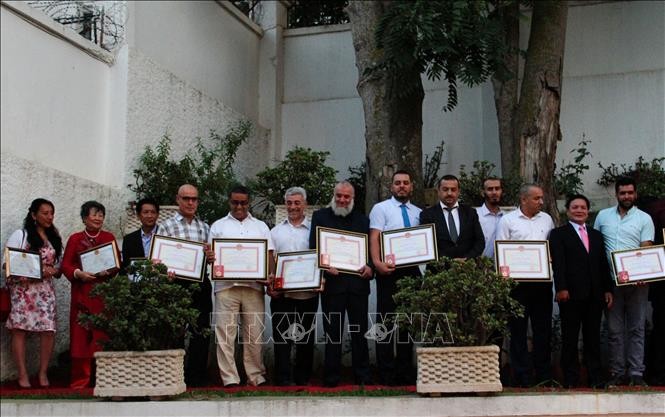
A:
288, 314
196, 364
334, 307
394, 354
537, 301
656, 353
587, 315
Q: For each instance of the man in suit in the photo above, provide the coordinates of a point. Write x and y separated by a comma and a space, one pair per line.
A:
344, 292
137, 243
583, 289
458, 231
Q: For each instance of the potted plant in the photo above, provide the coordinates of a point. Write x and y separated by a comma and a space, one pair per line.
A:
146, 321
455, 312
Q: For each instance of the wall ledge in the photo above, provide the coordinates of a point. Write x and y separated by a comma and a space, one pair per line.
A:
44, 22
246, 21
317, 30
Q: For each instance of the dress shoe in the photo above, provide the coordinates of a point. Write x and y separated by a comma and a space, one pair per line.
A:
615, 381
637, 381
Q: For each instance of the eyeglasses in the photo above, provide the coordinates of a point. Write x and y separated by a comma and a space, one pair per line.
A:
239, 203
189, 199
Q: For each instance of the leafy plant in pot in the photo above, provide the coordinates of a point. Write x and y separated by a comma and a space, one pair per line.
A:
455, 311
146, 321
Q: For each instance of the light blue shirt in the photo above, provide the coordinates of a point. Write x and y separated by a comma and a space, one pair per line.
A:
387, 215
146, 239
624, 233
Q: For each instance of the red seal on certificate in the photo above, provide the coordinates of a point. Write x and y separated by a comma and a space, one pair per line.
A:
218, 271
96, 251
504, 271
390, 259
623, 276
178, 245
278, 283
324, 260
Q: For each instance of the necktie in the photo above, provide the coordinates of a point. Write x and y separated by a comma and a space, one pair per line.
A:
585, 237
405, 216
452, 229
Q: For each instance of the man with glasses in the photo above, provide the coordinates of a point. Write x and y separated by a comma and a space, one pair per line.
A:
186, 225
234, 297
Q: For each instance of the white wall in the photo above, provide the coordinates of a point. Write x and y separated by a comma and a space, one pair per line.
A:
322, 108
613, 91
614, 85
202, 44
54, 101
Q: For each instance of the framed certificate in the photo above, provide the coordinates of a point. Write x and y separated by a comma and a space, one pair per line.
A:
523, 260
346, 251
409, 246
22, 263
297, 271
185, 258
240, 259
641, 264
100, 258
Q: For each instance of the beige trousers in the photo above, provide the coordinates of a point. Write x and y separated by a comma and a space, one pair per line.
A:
246, 306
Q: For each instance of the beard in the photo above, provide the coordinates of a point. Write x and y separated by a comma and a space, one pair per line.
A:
340, 211
627, 204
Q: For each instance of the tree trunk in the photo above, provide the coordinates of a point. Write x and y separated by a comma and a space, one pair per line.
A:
540, 100
505, 89
393, 125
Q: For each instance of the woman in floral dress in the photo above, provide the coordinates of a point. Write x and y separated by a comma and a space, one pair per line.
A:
33, 300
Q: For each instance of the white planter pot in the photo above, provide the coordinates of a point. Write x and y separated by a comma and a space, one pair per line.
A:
458, 369
140, 374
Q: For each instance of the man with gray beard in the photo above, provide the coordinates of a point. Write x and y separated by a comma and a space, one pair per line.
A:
344, 293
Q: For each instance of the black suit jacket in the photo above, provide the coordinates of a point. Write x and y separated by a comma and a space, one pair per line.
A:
132, 247
470, 242
354, 222
584, 275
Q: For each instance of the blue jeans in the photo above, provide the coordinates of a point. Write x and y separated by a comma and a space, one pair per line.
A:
625, 321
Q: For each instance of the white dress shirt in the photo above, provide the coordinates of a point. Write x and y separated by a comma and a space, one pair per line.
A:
517, 226
231, 228
387, 215
488, 222
289, 238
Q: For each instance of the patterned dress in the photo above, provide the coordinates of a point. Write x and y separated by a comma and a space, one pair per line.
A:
33, 301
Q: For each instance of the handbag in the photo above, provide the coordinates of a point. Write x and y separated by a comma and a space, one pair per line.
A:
5, 296
5, 303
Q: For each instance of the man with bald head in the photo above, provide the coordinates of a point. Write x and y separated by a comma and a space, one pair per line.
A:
344, 292
528, 222
186, 225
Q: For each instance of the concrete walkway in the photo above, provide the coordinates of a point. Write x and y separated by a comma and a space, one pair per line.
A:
618, 404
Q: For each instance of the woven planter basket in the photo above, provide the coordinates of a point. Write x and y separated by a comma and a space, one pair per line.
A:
458, 369
140, 374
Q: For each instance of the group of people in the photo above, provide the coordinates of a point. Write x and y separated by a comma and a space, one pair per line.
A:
583, 284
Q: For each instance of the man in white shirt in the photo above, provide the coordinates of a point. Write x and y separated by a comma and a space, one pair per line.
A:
234, 297
294, 308
490, 213
528, 222
395, 213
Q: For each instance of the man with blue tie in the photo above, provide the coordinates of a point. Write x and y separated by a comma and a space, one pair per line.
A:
395, 213
583, 289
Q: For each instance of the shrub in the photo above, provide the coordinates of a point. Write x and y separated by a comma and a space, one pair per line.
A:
209, 168
475, 302
150, 314
359, 180
432, 167
302, 167
568, 179
650, 176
